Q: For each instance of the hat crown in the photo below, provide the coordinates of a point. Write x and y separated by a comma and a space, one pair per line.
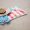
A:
1, 10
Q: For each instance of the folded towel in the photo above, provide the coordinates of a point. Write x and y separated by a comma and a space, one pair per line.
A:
16, 13
4, 19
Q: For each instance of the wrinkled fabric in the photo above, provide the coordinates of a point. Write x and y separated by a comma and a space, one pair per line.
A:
4, 19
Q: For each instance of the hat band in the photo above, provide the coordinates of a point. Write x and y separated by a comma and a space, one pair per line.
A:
3, 13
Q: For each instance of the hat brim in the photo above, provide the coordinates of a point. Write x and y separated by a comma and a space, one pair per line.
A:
7, 11
3, 13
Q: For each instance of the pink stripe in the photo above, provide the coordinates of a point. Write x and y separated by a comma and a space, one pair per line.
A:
23, 11
12, 15
19, 12
10, 18
15, 13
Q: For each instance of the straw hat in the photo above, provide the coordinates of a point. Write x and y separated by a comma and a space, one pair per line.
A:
4, 11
